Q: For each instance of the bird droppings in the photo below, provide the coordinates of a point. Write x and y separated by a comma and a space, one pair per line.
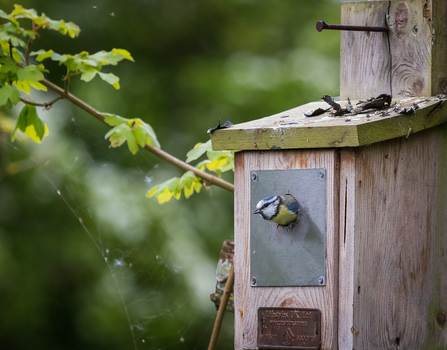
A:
289, 123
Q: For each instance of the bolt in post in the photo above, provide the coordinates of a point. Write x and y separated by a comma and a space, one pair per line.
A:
323, 25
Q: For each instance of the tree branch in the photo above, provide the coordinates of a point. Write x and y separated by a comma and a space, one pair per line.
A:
214, 180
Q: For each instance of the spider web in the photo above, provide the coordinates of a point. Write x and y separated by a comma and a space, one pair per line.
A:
157, 255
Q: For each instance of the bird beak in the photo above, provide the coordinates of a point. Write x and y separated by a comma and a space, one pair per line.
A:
257, 211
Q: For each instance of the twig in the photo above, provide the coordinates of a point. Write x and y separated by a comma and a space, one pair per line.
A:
39, 26
47, 105
28, 44
27, 51
158, 152
222, 307
66, 81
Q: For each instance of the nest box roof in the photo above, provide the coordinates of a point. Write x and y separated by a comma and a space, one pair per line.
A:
293, 130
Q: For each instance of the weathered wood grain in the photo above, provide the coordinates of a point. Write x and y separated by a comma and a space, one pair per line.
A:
292, 130
436, 11
346, 250
400, 243
249, 299
410, 48
364, 57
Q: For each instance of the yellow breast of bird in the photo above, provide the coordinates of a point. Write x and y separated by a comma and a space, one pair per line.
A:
284, 216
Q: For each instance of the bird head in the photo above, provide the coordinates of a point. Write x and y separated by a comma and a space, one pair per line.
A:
268, 207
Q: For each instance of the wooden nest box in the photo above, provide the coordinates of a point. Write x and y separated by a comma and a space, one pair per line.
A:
365, 264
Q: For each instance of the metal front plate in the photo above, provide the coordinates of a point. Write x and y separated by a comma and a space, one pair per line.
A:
289, 328
295, 256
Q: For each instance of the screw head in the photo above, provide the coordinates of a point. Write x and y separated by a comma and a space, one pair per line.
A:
321, 280
321, 174
254, 176
253, 280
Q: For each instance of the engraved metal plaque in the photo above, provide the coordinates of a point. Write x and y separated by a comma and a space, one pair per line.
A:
294, 256
289, 328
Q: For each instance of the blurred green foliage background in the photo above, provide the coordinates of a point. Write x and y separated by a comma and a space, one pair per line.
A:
86, 261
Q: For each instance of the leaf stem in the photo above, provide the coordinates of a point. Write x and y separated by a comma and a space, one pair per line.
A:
214, 180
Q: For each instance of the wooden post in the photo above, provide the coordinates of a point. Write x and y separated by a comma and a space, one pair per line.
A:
409, 61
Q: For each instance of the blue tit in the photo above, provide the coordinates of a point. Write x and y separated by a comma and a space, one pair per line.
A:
282, 210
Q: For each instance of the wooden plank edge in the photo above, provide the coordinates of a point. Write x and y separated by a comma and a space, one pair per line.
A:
285, 138
330, 136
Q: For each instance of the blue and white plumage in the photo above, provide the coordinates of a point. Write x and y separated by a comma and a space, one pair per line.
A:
282, 210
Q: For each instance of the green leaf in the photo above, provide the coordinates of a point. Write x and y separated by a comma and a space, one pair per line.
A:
3, 14
21, 123
61, 58
20, 12
173, 184
16, 55
88, 73
30, 123
188, 191
71, 62
90, 62
72, 29
145, 133
152, 191
120, 134
31, 73
9, 92
113, 120
213, 154
23, 86
111, 57
164, 196
110, 78
6, 37
188, 182
37, 85
202, 164
126, 54
198, 150
187, 179
216, 163
166, 190
64, 28
197, 186
29, 33
140, 136
9, 66
41, 54
57, 25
